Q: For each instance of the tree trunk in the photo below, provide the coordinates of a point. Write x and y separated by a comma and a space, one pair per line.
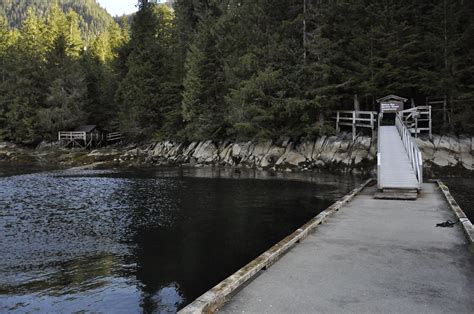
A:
304, 31
356, 103
445, 20
321, 118
445, 109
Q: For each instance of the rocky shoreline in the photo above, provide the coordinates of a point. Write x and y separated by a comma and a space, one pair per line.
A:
443, 155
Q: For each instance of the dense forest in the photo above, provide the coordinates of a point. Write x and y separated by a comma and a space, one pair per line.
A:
93, 19
231, 69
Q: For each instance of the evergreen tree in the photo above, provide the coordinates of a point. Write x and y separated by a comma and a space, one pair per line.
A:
461, 65
213, 69
141, 92
94, 19
25, 85
99, 64
203, 95
252, 71
187, 16
7, 39
64, 103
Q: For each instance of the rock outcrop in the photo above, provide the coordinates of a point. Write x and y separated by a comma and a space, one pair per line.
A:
447, 152
443, 155
334, 152
337, 153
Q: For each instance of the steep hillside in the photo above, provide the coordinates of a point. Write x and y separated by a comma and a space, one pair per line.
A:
94, 18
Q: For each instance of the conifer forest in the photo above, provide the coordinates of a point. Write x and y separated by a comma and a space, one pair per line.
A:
247, 69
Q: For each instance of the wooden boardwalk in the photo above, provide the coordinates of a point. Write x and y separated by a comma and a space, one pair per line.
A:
373, 256
378, 254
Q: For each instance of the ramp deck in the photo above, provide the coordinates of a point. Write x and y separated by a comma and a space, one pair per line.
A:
373, 256
396, 171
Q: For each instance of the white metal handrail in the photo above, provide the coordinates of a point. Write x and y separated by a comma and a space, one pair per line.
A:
414, 153
379, 155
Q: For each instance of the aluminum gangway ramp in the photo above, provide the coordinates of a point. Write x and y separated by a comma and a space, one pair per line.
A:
399, 163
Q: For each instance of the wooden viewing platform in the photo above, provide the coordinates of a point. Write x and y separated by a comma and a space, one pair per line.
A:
371, 256
88, 136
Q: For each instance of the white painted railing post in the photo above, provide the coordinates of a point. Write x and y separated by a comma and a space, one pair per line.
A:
379, 162
420, 168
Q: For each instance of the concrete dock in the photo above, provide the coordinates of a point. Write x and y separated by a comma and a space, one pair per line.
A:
373, 256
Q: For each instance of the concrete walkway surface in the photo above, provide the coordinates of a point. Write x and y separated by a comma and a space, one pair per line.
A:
373, 256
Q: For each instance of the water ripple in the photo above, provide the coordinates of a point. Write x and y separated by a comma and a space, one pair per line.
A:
140, 240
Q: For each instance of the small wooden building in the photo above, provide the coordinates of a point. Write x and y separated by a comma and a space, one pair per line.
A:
391, 104
85, 136
88, 136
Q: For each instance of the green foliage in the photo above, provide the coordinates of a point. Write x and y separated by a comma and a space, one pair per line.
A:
94, 19
47, 82
64, 103
146, 91
252, 104
278, 78
213, 69
203, 96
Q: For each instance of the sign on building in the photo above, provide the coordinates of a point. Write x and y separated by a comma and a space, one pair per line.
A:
391, 103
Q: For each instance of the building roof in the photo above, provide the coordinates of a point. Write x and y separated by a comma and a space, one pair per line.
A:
392, 97
86, 128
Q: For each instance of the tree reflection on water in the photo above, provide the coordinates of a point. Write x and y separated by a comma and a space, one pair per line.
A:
134, 241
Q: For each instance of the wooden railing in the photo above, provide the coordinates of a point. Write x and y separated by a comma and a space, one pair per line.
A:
355, 119
114, 136
72, 136
414, 153
417, 119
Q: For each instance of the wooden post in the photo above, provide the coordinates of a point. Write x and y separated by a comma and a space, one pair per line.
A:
430, 123
372, 124
338, 129
356, 103
444, 110
353, 125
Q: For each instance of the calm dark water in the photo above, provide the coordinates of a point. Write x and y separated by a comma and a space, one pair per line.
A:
462, 189
144, 240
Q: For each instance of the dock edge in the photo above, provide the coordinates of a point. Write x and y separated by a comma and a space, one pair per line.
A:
460, 215
216, 297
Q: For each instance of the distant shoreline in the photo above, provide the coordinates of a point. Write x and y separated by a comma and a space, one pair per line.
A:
443, 156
